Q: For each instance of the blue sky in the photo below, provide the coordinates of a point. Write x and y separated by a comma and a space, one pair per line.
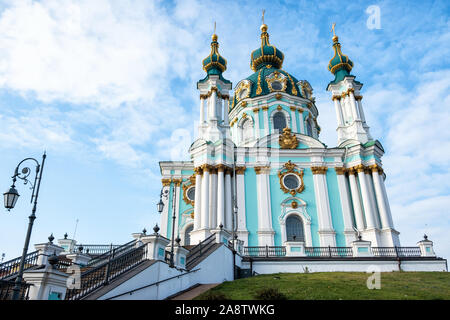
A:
108, 88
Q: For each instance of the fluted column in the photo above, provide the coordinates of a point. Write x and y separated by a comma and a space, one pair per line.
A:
220, 196
337, 106
357, 208
213, 101
294, 119
368, 207
346, 207
205, 197
373, 200
383, 206
198, 193
266, 120
360, 108
228, 200
326, 231
265, 231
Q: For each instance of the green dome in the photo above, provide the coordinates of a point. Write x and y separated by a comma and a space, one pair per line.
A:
340, 65
262, 82
214, 63
267, 54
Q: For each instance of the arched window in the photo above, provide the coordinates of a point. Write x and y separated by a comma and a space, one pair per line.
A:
308, 128
294, 229
247, 130
187, 237
279, 122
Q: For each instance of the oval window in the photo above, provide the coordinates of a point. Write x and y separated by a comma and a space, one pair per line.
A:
276, 85
291, 182
191, 194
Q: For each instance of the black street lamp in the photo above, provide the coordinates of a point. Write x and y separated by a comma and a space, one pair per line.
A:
10, 198
160, 207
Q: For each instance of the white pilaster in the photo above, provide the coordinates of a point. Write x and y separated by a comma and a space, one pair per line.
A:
337, 106
220, 197
301, 121
326, 231
198, 199
265, 231
205, 198
228, 201
202, 111
213, 198
240, 195
294, 119
266, 120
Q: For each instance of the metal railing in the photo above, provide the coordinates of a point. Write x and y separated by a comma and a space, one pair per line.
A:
6, 290
101, 275
95, 249
199, 250
332, 252
336, 252
112, 253
396, 252
265, 251
11, 268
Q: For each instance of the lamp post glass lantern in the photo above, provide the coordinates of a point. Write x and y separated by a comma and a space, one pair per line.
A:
10, 198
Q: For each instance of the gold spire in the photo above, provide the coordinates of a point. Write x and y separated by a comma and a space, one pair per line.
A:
264, 34
214, 36
335, 37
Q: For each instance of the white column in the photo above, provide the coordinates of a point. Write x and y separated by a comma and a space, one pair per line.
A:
386, 201
212, 114
220, 196
198, 198
256, 116
205, 198
240, 195
177, 205
202, 110
226, 120
357, 208
265, 231
337, 106
228, 200
373, 201
326, 232
353, 105
361, 111
368, 207
293, 119
212, 198
345, 204
382, 205
300, 120
266, 120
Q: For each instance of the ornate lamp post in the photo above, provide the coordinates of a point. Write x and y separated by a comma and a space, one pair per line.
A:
160, 207
10, 198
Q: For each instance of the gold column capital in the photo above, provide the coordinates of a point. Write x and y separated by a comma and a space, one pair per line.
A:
177, 181
240, 170
166, 182
220, 168
359, 168
340, 170
262, 169
265, 108
319, 170
293, 108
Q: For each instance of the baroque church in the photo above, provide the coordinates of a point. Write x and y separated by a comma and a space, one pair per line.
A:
259, 170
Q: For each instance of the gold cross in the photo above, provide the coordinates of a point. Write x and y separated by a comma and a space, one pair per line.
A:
332, 28
263, 16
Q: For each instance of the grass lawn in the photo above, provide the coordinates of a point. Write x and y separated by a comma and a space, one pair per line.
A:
340, 285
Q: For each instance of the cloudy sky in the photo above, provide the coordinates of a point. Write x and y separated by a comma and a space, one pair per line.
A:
108, 89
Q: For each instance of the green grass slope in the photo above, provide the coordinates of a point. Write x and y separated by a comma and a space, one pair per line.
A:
338, 285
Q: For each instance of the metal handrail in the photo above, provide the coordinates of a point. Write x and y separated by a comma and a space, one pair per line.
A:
113, 252
101, 275
95, 249
6, 290
11, 267
199, 250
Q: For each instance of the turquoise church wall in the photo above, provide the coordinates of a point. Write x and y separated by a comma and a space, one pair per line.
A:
337, 216
251, 207
308, 195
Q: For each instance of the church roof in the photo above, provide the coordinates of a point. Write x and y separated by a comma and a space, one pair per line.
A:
340, 65
214, 63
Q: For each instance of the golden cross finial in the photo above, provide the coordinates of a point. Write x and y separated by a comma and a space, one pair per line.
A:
332, 28
214, 27
263, 16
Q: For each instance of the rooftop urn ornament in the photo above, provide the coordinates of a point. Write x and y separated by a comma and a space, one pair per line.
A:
425, 237
144, 231
221, 226
80, 249
178, 240
51, 238
156, 229
65, 236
